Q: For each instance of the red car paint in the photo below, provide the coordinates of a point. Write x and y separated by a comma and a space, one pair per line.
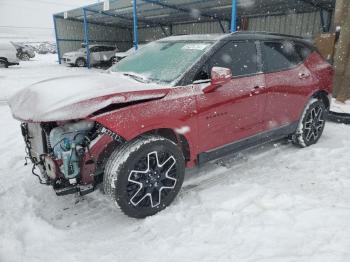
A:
203, 117
240, 108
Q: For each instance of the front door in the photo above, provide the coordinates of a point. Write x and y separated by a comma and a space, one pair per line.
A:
234, 110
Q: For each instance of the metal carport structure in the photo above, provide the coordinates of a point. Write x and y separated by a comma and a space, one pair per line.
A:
127, 23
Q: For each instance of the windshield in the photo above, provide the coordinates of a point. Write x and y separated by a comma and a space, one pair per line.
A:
82, 50
162, 61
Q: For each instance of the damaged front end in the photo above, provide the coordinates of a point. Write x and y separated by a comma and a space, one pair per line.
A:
70, 156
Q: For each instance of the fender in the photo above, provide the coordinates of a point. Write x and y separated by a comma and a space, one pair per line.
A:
175, 113
130, 132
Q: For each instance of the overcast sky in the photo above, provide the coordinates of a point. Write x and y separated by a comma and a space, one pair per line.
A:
33, 16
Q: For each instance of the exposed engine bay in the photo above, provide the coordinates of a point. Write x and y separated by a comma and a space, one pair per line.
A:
65, 153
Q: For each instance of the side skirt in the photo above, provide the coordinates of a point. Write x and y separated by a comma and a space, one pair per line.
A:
261, 138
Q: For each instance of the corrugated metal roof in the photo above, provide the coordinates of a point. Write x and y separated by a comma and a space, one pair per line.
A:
166, 12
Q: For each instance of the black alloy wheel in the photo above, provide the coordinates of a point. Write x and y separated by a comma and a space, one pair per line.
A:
312, 124
145, 175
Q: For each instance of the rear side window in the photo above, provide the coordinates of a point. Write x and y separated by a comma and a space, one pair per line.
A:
303, 50
108, 48
278, 56
95, 49
102, 48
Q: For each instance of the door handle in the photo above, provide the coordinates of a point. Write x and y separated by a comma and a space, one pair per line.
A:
304, 75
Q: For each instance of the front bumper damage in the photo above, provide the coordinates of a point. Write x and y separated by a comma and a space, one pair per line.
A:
85, 168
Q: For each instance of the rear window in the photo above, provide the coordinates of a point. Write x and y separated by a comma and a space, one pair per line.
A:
278, 56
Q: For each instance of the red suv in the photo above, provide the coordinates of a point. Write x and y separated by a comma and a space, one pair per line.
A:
176, 103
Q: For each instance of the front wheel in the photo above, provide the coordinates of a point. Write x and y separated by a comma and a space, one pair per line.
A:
311, 124
145, 176
80, 62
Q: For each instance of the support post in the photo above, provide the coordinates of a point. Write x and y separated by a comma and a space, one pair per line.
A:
221, 26
86, 39
136, 36
57, 41
234, 16
326, 20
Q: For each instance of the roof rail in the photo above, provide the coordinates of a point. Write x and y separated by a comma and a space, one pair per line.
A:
268, 33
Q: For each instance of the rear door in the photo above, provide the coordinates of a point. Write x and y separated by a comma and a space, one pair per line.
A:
288, 82
107, 53
95, 54
234, 110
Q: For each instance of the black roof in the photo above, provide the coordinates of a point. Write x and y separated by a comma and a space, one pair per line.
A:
239, 35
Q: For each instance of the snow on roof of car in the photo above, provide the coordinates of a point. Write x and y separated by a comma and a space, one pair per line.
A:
203, 37
239, 35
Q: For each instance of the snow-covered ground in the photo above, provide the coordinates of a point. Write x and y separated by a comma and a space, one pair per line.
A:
273, 203
340, 107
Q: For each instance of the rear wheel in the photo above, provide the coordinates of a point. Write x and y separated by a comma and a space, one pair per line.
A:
3, 64
25, 57
145, 176
311, 125
80, 62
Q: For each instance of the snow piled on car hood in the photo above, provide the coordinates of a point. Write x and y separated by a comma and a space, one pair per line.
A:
75, 97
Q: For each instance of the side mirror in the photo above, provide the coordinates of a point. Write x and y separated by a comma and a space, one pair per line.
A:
219, 76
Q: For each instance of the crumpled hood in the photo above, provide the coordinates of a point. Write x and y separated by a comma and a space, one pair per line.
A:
77, 97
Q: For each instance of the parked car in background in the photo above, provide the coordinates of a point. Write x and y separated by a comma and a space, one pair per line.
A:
24, 52
98, 54
178, 102
8, 54
121, 55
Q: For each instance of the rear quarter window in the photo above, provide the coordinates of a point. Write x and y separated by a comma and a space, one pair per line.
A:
303, 51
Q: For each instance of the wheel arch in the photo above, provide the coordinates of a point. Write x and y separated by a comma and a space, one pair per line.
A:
324, 96
173, 136
80, 58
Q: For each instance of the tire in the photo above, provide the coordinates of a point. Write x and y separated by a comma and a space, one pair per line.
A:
145, 175
311, 124
25, 57
80, 62
3, 64
113, 61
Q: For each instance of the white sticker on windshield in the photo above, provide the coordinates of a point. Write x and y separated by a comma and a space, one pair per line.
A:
195, 46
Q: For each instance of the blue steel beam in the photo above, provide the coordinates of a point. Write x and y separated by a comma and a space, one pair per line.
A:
136, 33
92, 40
234, 16
145, 21
57, 40
92, 23
86, 38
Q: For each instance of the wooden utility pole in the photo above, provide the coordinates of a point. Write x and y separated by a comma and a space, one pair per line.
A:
342, 55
